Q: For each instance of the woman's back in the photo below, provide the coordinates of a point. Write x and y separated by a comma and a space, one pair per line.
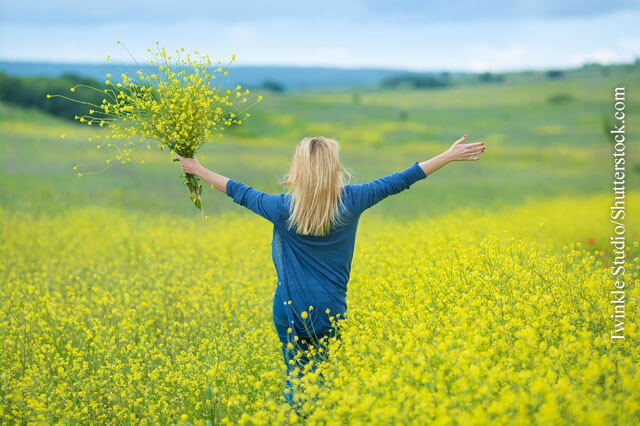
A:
314, 270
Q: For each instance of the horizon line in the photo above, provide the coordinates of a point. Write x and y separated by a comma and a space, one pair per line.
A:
345, 68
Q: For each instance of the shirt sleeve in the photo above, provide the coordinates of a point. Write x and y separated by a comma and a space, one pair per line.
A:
367, 194
262, 203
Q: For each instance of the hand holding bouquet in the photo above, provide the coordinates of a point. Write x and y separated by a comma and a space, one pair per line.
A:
178, 106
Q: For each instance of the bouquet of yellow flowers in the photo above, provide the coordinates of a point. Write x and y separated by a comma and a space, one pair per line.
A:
178, 106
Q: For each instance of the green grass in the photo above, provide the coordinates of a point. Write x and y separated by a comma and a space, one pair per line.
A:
535, 148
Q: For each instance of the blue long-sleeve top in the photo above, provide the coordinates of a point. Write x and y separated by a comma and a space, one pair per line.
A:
314, 270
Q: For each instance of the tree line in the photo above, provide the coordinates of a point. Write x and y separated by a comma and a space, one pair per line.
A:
31, 92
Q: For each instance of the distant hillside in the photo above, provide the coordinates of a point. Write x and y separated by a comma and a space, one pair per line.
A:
290, 78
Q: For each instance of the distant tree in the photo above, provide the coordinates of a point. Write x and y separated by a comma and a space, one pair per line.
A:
355, 98
31, 92
416, 81
554, 74
487, 77
403, 115
73, 77
273, 86
607, 125
560, 98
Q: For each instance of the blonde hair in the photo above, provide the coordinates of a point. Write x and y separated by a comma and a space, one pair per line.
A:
315, 180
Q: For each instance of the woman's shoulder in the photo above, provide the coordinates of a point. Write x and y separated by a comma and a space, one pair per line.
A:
349, 191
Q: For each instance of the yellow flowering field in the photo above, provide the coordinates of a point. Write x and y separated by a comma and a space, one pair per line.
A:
470, 317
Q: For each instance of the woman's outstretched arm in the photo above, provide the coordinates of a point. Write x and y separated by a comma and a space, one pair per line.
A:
193, 166
367, 194
262, 203
456, 152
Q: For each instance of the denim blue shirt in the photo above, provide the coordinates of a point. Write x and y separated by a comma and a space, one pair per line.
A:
314, 270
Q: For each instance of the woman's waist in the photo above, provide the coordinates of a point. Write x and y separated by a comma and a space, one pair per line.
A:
314, 302
306, 292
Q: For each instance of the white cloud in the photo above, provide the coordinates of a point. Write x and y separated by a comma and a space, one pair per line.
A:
602, 56
348, 40
632, 45
495, 58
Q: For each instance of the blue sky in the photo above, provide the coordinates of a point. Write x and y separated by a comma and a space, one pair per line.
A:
414, 35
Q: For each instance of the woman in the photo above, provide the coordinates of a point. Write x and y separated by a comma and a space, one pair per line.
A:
314, 235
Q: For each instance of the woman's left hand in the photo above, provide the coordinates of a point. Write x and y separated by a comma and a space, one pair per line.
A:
189, 165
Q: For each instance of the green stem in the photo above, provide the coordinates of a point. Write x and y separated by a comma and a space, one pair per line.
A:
194, 186
195, 189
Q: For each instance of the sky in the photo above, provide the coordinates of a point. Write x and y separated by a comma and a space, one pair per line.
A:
413, 35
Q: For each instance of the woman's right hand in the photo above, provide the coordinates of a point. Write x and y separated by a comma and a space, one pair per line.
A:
464, 152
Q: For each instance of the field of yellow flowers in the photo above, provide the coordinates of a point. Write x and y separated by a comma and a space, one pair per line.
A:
112, 317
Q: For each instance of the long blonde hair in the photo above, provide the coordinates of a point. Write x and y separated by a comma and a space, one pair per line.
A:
315, 180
